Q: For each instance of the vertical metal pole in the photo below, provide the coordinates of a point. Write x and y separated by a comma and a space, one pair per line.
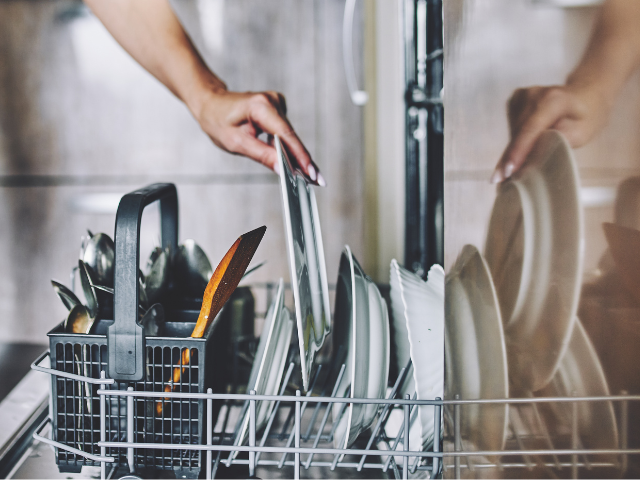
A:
437, 412
209, 432
574, 439
407, 415
103, 429
624, 432
252, 435
296, 468
456, 436
130, 430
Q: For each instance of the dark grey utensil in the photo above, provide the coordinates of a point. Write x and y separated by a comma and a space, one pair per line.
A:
67, 296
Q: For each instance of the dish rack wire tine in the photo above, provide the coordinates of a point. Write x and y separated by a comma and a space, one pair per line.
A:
304, 406
272, 417
325, 417
384, 414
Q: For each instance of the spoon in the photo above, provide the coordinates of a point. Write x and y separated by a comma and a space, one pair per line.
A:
153, 321
99, 254
111, 291
192, 268
79, 320
87, 283
156, 281
69, 298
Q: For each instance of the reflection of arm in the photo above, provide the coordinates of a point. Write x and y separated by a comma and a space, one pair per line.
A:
581, 107
151, 33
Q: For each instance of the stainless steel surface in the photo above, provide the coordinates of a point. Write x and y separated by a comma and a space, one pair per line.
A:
153, 321
87, 282
66, 295
156, 278
99, 255
192, 268
79, 320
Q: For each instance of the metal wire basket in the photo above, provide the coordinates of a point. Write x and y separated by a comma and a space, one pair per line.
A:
130, 362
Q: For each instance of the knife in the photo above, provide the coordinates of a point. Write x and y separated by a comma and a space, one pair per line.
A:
222, 284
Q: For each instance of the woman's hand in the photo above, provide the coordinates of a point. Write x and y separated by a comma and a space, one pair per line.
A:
234, 121
577, 112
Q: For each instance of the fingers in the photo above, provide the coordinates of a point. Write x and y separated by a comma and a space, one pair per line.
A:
538, 114
271, 120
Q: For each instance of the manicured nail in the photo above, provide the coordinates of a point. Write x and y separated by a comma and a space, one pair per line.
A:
508, 170
497, 176
312, 173
321, 181
276, 168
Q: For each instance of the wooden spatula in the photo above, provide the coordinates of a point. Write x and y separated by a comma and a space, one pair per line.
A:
624, 244
222, 284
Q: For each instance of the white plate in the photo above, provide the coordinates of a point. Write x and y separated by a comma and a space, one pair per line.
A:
418, 308
475, 352
362, 327
534, 250
580, 374
271, 357
306, 262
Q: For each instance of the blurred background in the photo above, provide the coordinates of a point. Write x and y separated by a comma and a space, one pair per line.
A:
81, 123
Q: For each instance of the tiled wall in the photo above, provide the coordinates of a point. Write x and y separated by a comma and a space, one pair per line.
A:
81, 124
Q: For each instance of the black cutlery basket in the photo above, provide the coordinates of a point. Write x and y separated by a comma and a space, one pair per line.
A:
119, 348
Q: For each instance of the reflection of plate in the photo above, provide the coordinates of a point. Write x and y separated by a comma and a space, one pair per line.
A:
580, 374
270, 359
306, 262
419, 307
534, 250
475, 352
362, 326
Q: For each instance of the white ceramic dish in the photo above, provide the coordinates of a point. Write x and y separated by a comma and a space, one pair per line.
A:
534, 249
475, 351
268, 366
419, 306
580, 374
362, 325
306, 262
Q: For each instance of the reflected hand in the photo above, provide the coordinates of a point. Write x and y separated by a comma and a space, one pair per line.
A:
234, 120
577, 112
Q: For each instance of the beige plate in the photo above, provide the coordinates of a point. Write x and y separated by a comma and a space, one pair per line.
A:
475, 352
534, 250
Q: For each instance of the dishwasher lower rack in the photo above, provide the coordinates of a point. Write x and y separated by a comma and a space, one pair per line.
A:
299, 436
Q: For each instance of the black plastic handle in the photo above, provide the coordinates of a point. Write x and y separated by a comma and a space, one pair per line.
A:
125, 338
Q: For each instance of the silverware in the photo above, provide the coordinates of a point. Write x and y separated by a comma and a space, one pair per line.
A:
99, 254
156, 280
153, 321
69, 298
87, 282
79, 320
192, 269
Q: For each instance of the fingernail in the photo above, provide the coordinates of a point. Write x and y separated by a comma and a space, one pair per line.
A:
276, 168
508, 170
321, 181
312, 173
497, 176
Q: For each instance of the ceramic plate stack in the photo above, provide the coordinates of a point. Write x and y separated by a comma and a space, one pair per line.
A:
534, 251
418, 322
268, 366
476, 357
306, 262
362, 328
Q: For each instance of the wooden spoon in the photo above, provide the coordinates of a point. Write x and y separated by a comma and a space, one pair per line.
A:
624, 244
222, 284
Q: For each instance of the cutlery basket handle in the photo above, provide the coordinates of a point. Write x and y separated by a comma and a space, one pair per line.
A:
125, 338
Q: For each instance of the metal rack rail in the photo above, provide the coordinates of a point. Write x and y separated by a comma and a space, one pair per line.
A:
299, 433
